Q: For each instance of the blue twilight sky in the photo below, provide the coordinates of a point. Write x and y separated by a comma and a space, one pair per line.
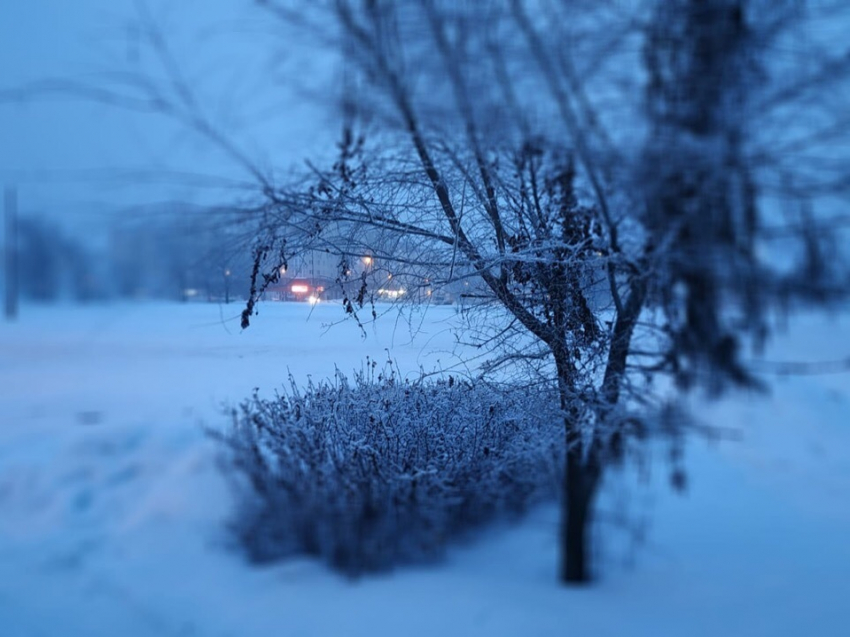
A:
255, 81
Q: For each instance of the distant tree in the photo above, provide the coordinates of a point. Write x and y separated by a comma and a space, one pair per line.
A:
53, 264
39, 260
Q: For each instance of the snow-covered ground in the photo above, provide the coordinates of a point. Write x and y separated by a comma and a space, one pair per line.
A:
112, 508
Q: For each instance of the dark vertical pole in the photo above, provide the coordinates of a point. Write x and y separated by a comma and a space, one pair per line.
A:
11, 252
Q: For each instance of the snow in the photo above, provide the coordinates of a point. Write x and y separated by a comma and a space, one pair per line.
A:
113, 509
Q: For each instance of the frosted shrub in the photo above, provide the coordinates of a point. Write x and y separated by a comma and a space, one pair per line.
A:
368, 473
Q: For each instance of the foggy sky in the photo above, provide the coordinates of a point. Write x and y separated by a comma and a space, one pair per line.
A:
69, 155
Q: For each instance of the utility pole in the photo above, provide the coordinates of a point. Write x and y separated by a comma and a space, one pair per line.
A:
11, 252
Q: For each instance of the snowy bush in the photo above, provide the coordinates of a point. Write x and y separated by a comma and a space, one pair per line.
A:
378, 471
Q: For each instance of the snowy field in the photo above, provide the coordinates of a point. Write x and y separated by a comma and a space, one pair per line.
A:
112, 507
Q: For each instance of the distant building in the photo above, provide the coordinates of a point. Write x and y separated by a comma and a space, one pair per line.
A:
311, 276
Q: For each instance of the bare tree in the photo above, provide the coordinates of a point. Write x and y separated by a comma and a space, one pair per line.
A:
491, 136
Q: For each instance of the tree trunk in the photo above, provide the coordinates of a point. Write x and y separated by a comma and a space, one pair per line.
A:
580, 485
581, 478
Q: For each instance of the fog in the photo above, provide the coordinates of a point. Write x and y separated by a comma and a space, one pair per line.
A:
86, 168
381, 318
71, 156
